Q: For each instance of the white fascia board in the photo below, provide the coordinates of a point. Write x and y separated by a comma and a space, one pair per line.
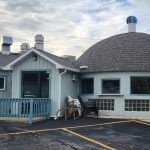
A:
68, 68
9, 66
58, 66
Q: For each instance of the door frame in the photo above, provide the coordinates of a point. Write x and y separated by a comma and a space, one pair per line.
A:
50, 78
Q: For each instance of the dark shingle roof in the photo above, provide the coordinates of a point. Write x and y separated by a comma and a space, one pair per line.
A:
6, 59
63, 61
123, 52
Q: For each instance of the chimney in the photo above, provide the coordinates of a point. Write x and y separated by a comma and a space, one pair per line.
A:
39, 42
24, 47
131, 21
6, 43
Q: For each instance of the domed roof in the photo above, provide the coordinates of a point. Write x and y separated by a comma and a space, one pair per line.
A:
127, 52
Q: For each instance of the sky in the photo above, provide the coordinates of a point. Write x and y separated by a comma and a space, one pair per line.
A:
69, 27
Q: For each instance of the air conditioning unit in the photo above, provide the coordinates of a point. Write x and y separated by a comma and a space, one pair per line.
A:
74, 77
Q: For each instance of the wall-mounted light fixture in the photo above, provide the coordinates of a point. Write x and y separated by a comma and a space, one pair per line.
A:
34, 57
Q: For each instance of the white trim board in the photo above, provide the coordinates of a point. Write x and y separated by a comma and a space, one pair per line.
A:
17, 60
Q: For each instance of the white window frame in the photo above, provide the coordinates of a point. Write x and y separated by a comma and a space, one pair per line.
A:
4, 84
144, 105
103, 103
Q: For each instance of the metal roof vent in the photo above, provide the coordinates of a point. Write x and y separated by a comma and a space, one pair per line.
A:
6, 43
131, 21
83, 67
24, 47
39, 39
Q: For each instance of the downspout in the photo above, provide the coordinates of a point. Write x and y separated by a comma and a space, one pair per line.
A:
60, 75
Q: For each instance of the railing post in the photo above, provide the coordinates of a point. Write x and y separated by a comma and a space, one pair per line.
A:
31, 111
48, 107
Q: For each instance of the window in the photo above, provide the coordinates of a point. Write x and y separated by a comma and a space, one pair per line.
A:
137, 105
2, 83
35, 84
87, 86
111, 86
105, 104
140, 85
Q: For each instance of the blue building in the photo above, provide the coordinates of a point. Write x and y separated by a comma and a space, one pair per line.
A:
115, 72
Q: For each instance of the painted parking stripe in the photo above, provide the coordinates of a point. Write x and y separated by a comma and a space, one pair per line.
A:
53, 129
141, 122
101, 124
30, 131
89, 139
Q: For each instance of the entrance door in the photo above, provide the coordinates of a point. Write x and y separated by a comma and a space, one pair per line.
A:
35, 84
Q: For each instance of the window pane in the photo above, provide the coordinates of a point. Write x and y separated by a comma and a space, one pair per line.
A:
44, 90
30, 76
31, 90
1, 83
44, 76
140, 85
137, 105
110, 86
105, 104
87, 86
35, 84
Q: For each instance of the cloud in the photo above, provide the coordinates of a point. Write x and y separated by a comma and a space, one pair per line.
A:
69, 27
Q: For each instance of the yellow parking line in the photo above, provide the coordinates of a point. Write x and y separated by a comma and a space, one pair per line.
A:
30, 131
142, 122
89, 139
101, 124
45, 130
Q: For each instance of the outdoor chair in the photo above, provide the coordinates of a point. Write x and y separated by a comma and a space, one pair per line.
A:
88, 107
71, 108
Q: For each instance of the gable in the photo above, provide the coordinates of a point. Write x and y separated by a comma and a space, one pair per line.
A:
30, 63
45, 55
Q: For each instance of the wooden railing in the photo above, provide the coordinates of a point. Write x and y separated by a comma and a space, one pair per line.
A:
25, 107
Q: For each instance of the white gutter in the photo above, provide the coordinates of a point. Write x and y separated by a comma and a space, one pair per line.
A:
59, 92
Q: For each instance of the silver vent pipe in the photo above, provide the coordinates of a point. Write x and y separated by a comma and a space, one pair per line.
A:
6, 44
39, 42
24, 47
131, 21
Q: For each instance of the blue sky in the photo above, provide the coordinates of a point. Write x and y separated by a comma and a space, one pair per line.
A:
69, 26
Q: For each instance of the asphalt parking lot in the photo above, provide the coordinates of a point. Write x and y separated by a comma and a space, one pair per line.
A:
79, 134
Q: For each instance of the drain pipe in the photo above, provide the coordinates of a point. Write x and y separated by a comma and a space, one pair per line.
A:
60, 75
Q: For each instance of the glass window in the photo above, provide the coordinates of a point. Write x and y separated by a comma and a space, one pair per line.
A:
140, 85
87, 86
35, 84
2, 83
105, 104
30, 76
137, 105
110, 86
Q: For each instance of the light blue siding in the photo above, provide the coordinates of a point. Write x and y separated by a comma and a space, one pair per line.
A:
41, 64
8, 82
68, 86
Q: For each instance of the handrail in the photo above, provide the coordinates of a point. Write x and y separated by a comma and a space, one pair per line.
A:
25, 107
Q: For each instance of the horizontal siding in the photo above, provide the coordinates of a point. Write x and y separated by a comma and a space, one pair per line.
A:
7, 92
68, 87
